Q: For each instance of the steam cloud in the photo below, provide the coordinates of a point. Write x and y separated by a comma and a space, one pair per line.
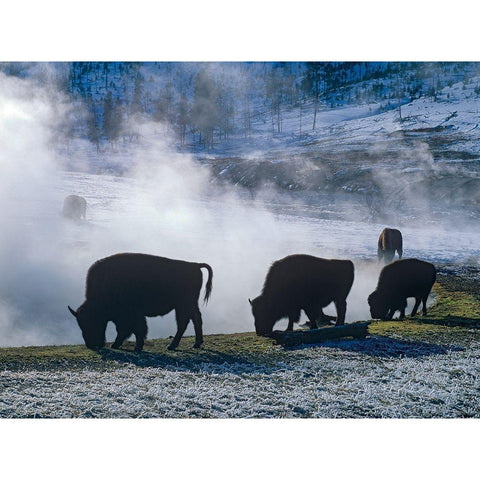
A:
167, 205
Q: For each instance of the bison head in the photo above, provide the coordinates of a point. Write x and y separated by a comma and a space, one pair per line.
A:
93, 330
378, 305
263, 322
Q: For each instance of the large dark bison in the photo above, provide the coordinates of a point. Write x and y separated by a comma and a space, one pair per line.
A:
389, 240
74, 207
127, 287
397, 282
302, 282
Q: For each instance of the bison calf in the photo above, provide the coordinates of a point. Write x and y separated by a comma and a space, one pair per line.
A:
302, 282
389, 240
397, 282
74, 207
127, 287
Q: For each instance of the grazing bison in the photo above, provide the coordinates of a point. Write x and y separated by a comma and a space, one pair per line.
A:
398, 281
74, 207
127, 287
302, 282
389, 240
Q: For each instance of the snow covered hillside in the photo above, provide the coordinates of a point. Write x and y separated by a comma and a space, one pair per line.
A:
401, 139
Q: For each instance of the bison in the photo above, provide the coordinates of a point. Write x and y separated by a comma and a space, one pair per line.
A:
302, 282
389, 240
74, 207
127, 287
398, 281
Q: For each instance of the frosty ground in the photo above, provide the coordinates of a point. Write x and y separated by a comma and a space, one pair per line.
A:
379, 377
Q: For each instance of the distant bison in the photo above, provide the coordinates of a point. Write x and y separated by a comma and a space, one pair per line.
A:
126, 287
389, 240
397, 282
302, 282
74, 207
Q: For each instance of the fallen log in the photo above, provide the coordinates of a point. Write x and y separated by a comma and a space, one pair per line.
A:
317, 335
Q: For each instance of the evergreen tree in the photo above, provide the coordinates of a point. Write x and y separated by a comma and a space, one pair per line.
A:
164, 104
205, 112
182, 117
93, 130
112, 118
137, 106
105, 73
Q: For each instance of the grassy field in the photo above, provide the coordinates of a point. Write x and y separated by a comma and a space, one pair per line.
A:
415, 368
457, 304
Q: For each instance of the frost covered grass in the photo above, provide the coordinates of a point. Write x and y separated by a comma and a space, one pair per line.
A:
323, 381
409, 369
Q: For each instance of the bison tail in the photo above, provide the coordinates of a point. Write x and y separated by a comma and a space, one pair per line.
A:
208, 286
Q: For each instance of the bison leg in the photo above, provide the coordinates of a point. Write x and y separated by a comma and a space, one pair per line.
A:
122, 334
388, 255
197, 325
424, 305
182, 322
293, 317
390, 314
341, 306
415, 307
140, 330
313, 314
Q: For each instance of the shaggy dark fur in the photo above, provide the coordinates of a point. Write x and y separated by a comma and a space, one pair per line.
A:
398, 281
127, 287
302, 282
389, 240
74, 207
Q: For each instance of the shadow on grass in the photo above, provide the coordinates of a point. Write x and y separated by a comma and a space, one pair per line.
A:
385, 347
200, 360
207, 360
452, 321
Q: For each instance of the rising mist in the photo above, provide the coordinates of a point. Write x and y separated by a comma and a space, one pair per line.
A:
165, 203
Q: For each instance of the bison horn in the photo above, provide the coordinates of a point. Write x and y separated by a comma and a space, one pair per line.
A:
72, 311
250, 301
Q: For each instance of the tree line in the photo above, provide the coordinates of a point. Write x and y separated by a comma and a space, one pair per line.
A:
206, 103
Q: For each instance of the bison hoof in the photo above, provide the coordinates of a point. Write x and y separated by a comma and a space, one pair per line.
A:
197, 345
171, 347
115, 346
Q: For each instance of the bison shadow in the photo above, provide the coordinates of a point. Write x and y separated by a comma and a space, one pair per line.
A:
452, 321
385, 347
199, 360
208, 360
